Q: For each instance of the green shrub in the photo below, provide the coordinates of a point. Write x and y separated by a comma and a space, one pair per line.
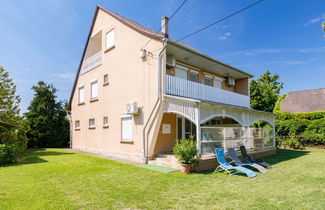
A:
308, 129
8, 153
186, 152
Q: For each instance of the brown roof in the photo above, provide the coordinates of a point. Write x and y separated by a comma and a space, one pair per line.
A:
304, 101
136, 26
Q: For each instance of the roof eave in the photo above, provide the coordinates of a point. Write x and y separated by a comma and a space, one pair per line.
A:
175, 43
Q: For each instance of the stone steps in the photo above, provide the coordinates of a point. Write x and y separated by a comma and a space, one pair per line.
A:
167, 160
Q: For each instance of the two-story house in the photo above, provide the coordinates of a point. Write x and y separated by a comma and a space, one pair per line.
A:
132, 102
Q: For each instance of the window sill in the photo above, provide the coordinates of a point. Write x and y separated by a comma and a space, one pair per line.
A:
109, 49
77, 129
126, 141
83, 103
92, 128
105, 126
93, 100
105, 84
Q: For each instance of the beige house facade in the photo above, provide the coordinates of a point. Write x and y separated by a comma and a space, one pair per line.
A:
136, 91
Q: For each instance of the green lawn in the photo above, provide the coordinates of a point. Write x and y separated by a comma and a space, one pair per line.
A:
58, 179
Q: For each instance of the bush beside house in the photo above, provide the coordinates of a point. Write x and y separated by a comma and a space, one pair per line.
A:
299, 129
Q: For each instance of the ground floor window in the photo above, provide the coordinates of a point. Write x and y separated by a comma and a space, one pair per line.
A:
126, 127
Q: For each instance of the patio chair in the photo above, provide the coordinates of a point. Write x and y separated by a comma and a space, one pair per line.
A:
238, 162
247, 158
224, 165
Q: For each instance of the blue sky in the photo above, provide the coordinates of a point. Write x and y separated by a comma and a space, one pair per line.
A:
43, 40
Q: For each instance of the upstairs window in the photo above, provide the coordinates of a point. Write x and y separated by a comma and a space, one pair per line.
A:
208, 80
194, 76
105, 122
109, 39
105, 79
93, 90
92, 123
217, 82
77, 125
81, 95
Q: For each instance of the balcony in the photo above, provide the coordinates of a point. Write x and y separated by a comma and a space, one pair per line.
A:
185, 88
91, 63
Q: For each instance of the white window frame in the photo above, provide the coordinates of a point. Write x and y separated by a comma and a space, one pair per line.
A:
208, 77
92, 98
79, 95
105, 121
75, 124
196, 74
109, 44
219, 80
91, 126
126, 137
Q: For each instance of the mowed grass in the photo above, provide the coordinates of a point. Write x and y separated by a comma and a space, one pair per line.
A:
58, 179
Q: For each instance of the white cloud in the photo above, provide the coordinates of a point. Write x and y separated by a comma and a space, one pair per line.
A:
315, 20
67, 76
225, 36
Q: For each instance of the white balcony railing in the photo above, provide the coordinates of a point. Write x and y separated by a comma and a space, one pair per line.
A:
91, 63
185, 88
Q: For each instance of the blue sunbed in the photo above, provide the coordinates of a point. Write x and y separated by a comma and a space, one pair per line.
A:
224, 165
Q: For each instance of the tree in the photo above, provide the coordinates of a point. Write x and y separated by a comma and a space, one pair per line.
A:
47, 118
12, 140
265, 91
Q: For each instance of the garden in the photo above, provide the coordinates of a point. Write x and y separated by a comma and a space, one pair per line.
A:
60, 179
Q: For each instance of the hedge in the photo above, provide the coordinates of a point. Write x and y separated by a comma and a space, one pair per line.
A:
299, 129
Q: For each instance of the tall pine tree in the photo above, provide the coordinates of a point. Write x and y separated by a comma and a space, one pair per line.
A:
46, 118
10, 113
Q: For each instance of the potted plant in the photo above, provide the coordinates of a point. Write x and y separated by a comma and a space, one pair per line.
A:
187, 154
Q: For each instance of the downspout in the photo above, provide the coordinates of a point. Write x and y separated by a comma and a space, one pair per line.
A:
145, 152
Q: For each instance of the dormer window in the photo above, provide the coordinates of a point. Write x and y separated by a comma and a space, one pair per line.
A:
110, 39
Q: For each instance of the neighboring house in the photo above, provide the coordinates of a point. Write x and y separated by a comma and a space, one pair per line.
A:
133, 103
304, 101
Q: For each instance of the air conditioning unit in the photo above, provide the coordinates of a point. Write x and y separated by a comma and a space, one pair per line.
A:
171, 61
132, 108
230, 81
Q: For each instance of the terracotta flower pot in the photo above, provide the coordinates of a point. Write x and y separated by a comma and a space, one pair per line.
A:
186, 168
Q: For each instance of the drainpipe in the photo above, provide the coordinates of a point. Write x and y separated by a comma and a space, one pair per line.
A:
145, 140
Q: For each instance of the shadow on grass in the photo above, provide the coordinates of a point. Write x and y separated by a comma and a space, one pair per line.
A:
281, 156
284, 155
33, 155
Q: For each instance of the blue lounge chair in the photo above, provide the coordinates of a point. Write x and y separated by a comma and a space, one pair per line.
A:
248, 159
238, 162
224, 165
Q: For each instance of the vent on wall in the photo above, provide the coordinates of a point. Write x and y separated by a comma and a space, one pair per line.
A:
230, 81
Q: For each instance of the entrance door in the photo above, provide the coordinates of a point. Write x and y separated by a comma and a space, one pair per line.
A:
185, 128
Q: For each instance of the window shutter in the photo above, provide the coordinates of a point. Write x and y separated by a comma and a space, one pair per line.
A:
81, 95
109, 39
94, 90
127, 128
